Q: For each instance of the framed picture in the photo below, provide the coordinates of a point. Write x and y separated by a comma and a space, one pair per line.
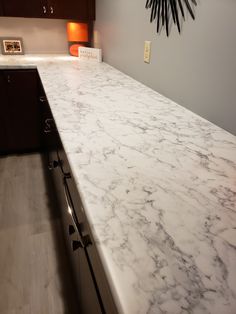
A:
11, 46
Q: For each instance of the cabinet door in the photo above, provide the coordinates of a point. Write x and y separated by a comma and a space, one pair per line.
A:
92, 10
22, 114
83, 10
1, 9
86, 284
97, 270
69, 9
3, 108
85, 291
26, 8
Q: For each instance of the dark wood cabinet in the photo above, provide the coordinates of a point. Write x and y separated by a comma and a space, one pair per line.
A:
1, 9
83, 10
69, 9
20, 112
3, 116
85, 289
26, 8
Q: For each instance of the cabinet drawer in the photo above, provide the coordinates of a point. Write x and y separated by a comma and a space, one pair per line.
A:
86, 286
97, 269
86, 289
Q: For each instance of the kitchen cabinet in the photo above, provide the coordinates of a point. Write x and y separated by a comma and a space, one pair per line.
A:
88, 295
83, 10
1, 10
26, 8
3, 128
107, 304
20, 112
72, 9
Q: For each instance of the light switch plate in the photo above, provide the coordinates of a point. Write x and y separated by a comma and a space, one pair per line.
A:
147, 51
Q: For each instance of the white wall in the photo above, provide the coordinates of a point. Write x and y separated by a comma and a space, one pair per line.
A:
39, 35
196, 69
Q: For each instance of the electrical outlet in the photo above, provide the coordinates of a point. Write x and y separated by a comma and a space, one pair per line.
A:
147, 51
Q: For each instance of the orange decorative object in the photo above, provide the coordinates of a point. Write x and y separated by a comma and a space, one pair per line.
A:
74, 49
78, 35
77, 32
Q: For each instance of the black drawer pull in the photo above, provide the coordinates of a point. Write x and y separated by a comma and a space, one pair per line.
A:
76, 245
70, 211
71, 229
87, 241
53, 164
49, 126
42, 99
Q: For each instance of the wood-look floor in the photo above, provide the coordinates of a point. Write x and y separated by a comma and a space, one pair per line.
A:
35, 275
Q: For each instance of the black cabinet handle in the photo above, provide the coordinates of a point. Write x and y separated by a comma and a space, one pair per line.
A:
70, 211
49, 125
76, 245
42, 99
71, 229
66, 175
84, 240
87, 241
53, 164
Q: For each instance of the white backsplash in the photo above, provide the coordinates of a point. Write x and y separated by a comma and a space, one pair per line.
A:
39, 35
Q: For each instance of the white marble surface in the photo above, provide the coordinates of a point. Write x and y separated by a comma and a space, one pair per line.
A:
158, 185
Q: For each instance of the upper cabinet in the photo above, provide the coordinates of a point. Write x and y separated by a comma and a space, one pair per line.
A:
72, 9
1, 10
25, 8
83, 10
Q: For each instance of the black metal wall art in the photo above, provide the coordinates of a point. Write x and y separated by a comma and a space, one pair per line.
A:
163, 10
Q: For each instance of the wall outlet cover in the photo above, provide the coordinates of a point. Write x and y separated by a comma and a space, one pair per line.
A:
90, 54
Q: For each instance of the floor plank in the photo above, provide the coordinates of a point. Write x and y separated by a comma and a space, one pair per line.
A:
35, 277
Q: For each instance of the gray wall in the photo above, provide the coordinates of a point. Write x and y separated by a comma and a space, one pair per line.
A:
39, 35
196, 69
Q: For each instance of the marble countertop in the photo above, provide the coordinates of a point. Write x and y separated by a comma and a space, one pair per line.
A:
158, 185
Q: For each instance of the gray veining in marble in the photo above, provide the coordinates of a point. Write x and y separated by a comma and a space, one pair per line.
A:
158, 185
